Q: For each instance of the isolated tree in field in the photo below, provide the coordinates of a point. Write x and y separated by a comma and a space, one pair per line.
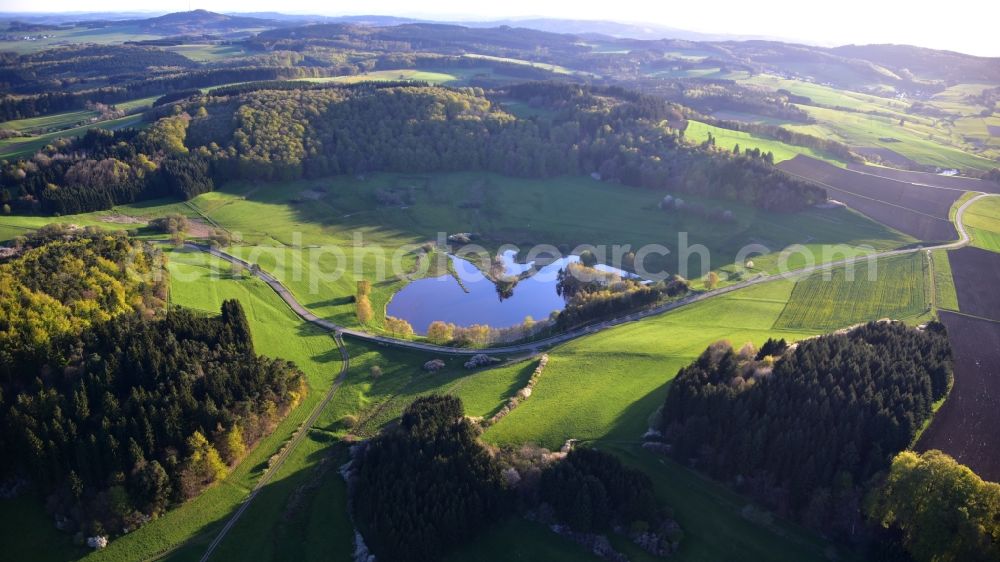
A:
712, 281
736, 149
364, 309
364, 287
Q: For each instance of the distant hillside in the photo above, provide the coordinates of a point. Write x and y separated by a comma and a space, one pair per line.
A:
610, 29
195, 21
921, 62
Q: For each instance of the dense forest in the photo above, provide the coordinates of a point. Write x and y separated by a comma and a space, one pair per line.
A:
805, 430
114, 408
427, 485
317, 131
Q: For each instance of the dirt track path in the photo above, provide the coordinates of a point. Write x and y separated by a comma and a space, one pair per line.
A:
286, 451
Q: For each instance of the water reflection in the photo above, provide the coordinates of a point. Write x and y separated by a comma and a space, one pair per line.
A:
525, 290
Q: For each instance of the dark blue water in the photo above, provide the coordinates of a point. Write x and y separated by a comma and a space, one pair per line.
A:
442, 298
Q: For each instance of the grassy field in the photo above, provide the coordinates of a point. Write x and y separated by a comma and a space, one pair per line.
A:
727, 138
304, 503
122, 217
983, 220
958, 140
923, 142
554, 68
605, 386
945, 296
450, 76
899, 290
599, 388
207, 52
560, 211
292, 228
103, 36
20, 147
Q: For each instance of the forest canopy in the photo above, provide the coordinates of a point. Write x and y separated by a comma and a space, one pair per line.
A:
313, 131
113, 408
804, 431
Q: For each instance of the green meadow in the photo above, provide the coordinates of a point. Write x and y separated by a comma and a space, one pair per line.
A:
897, 287
867, 120
727, 138
24, 147
320, 237
945, 296
983, 220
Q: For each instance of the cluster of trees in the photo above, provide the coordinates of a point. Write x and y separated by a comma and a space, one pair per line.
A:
427, 485
483, 335
804, 431
592, 294
708, 96
941, 508
114, 411
591, 491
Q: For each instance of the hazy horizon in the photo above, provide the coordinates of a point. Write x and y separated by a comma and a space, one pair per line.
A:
852, 22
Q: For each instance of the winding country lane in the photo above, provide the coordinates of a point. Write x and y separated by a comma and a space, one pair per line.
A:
340, 331
533, 346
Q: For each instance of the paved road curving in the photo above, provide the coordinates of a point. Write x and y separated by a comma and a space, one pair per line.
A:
287, 296
339, 331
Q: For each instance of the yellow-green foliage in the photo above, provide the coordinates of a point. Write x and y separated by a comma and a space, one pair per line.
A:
204, 465
945, 511
76, 279
170, 132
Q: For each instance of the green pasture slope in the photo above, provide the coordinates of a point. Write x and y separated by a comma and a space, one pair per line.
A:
861, 119
284, 227
983, 221
304, 503
897, 287
201, 282
23, 147
727, 138
601, 388
132, 217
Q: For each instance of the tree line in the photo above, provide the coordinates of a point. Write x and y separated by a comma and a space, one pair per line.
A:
313, 132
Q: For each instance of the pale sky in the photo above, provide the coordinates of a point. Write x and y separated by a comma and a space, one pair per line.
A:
970, 26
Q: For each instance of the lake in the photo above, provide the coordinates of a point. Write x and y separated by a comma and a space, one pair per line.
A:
442, 298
